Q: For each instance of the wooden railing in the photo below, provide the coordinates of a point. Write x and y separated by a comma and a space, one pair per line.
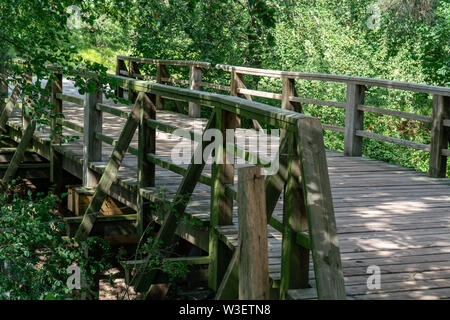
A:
354, 105
302, 174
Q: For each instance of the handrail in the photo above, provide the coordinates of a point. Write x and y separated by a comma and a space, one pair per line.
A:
269, 114
354, 105
391, 84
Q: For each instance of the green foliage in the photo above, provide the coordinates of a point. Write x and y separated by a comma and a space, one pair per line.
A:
41, 33
399, 40
35, 256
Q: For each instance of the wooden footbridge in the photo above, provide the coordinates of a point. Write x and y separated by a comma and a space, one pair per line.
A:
311, 230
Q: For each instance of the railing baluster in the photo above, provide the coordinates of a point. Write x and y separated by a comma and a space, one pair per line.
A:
440, 136
92, 149
354, 120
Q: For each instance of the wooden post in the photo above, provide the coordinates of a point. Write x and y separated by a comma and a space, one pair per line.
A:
320, 211
237, 82
221, 203
440, 136
354, 120
110, 174
26, 103
295, 258
18, 156
195, 76
160, 72
253, 247
3, 88
92, 148
8, 108
57, 88
120, 66
56, 173
133, 71
289, 91
146, 144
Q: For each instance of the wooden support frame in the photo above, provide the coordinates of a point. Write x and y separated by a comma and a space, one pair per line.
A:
187, 186
111, 171
440, 137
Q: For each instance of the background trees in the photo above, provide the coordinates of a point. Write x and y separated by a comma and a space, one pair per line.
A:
405, 40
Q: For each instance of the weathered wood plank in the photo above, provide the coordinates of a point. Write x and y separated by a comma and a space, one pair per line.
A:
354, 120
319, 208
253, 256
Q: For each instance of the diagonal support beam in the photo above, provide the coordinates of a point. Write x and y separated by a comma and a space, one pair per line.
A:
111, 171
19, 154
185, 190
7, 110
275, 183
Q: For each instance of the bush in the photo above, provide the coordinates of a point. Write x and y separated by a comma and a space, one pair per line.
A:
34, 253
